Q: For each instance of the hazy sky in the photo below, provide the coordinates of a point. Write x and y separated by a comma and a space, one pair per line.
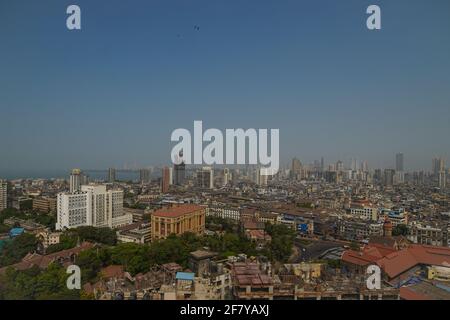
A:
113, 92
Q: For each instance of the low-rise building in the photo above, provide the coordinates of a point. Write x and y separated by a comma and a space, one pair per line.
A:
48, 238
436, 234
356, 229
44, 204
224, 212
135, 233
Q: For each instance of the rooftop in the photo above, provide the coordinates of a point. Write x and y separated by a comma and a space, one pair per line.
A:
177, 211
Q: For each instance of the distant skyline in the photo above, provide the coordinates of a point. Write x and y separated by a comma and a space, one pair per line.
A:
113, 92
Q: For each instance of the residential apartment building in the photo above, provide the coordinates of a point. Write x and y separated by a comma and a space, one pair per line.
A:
429, 234
165, 180
3, 195
77, 179
205, 178
397, 217
359, 229
364, 210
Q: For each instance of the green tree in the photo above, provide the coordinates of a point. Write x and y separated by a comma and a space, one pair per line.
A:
282, 241
15, 250
400, 230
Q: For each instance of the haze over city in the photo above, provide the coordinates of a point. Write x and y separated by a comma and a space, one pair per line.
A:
112, 93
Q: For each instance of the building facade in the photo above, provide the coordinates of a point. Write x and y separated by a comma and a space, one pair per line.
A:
44, 204
3, 194
92, 206
178, 220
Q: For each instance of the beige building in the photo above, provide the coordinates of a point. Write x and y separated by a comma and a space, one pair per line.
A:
178, 220
49, 238
44, 204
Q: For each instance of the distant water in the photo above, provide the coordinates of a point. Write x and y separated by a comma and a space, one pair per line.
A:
64, 174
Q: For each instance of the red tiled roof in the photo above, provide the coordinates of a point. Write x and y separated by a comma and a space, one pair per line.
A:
44, 261
396, 262
359, 258
177, 211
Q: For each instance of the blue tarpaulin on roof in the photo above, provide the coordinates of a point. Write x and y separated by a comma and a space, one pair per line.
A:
15, 232
185, 276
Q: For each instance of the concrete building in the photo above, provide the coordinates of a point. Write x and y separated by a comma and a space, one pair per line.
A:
165, 180
77, 179
48, 238
44, 204
178, 220
135, 233
144, 176
179, 174
224, 212
261, 180
356, 229
226, 176
389, 175
442, 179
428, 234
111, 175
205, 178
170, 176
399, 162
92, 206
3, 195
364, 210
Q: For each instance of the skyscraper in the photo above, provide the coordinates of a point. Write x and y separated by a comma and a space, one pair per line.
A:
438, 165
364, 166
165, 181
353, 164
389, 177
144, 176
111, 175
226, 176
261, 179
296, 169
205, 178
77, 179
180, 173
3, 194
170, 176
442, 179
399, 162
339, 166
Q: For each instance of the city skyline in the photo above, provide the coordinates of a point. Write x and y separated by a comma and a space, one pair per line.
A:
113, 92
137, 169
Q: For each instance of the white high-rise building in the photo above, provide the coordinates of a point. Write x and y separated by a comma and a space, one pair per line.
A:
3, 194
226, 176
77, 179
170, 175
262, 178
92, 206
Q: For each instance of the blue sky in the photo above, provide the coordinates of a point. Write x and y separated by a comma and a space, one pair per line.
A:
113, 92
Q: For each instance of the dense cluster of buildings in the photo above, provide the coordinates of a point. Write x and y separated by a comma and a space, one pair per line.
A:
393, 218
